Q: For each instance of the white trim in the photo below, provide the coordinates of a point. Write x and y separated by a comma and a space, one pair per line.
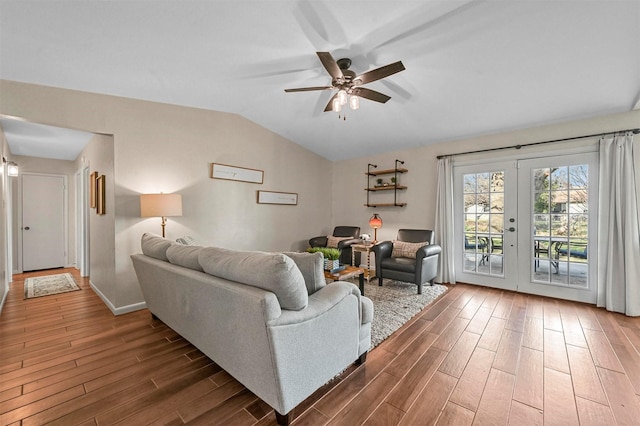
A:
117, 311
4, 298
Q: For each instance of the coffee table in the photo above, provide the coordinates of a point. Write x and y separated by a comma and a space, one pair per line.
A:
346, 273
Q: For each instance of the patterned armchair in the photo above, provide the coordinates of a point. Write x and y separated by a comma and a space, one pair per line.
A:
412, 257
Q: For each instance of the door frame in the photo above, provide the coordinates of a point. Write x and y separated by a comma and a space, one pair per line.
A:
82, 220
578, 294
570, 148
65, 214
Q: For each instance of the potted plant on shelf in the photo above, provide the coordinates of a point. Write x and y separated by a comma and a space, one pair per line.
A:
393, 181
379, 182
331, 256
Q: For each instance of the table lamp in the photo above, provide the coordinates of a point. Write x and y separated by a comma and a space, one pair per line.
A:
160, 205
375, 223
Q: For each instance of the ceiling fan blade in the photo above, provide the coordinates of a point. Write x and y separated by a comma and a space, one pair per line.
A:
372, 95
308, 89
329, 106
379, 73
331, 65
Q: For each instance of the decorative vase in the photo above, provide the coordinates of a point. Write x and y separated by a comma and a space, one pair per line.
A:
331, 264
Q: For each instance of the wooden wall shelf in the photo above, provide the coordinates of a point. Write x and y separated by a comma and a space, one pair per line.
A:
395, 187
386, 172
386, 188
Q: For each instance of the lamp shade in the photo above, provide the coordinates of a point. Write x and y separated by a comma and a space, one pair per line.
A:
375, 222
160, 205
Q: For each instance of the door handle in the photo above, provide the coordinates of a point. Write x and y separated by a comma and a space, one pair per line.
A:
26, 228
512, 229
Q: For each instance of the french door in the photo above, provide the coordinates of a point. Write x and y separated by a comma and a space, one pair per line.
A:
529, 225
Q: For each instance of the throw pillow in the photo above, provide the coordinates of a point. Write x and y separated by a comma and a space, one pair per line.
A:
333, 241
186, 256
187, 241
272, 272
311, 266
404, 249
155, 246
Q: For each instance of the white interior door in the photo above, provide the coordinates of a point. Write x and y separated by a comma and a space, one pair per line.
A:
529, 225
43, 222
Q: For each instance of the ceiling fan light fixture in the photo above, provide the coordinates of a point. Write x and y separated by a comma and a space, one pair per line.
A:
354, 102
342, 96
337, 106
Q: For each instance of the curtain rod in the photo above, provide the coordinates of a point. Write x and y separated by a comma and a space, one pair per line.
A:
635, 131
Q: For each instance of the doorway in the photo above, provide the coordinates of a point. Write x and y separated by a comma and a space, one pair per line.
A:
44, 218
529, 225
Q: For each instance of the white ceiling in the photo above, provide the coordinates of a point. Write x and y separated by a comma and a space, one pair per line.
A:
39, 140
472, 67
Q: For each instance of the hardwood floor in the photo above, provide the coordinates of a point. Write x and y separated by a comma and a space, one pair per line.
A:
477, 356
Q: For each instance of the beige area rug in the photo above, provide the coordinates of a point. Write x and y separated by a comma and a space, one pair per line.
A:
395, 303
49, 284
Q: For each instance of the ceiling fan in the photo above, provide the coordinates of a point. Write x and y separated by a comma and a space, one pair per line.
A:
348, 84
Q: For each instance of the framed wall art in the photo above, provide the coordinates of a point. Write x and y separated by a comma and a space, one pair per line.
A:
100, 195
241, 174
274, 197
93, 182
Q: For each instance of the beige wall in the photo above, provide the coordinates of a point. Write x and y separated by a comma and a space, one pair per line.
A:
98, 156
168, 148
421, 180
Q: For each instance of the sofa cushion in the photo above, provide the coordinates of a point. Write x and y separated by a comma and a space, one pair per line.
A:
311, 266
186, 256
404, 249
155, 246
334, 241
273, 272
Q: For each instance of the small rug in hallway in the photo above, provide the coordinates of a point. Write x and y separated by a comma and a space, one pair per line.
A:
395, 303
49, 284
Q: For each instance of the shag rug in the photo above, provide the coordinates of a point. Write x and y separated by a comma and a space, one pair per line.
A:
395, 303
49, 284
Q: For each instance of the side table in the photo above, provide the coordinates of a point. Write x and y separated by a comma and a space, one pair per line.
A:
346, 273
363, 248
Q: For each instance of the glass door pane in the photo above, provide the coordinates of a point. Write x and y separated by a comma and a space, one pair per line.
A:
556, 194
481, 212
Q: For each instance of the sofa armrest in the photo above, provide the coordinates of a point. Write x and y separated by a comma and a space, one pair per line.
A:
382, 251
320, 241
347, 243
319, 302
427, 251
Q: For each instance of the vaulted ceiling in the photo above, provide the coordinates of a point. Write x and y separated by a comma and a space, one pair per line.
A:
472, 67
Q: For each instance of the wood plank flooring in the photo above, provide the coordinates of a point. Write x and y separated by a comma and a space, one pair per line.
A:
477, 356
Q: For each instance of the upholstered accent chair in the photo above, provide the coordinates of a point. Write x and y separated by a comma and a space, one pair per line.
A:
342, 238
412, 257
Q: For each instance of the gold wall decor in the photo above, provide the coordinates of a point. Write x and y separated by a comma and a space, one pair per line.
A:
92, 189
100, 195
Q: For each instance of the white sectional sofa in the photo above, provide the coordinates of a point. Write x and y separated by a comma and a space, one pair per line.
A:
268, 319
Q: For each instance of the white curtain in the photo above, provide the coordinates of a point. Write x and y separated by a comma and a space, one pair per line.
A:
618, 228
444, 222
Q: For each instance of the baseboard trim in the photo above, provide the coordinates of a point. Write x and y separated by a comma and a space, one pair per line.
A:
117, 311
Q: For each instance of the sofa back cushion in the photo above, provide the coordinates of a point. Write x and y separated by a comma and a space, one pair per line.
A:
155, 246
186, 256
273, 272
311, 266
